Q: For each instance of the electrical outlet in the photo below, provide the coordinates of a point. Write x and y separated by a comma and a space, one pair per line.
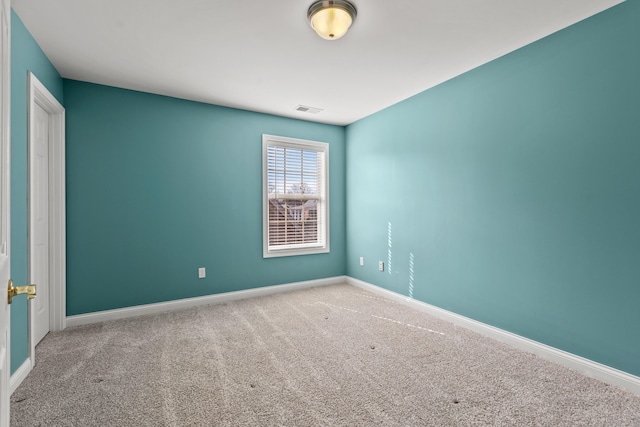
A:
202, 273
361, 260
381, 265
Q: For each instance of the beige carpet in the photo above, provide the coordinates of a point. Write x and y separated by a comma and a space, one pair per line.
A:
329, 356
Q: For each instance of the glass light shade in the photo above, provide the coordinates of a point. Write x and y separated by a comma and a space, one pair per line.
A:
331, 23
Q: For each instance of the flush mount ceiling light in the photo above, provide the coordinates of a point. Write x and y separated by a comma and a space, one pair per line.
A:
331, 18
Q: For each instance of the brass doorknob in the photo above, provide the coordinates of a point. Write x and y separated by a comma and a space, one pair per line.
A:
30, 290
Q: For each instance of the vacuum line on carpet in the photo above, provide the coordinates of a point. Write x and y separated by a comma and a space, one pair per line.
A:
338, 307
377, 299
383, 318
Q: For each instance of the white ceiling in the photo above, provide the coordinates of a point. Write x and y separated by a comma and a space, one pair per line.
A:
263, 56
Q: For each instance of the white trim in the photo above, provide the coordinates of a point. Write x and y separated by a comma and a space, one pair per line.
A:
39, 94
323, 204
19, 375
5, 208
181, 304
585, 366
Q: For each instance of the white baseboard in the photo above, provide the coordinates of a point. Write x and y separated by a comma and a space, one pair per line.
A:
588, 367
585, 366
139, 310
19, 375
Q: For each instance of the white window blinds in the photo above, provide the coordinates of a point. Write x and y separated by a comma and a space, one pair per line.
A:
295, 186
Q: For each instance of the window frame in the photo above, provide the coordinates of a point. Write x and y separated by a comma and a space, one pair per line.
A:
323, 203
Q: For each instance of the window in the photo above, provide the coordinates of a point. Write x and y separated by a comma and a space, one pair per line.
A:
295, 175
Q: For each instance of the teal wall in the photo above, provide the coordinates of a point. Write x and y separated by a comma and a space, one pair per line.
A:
157, 187
26, 56
511, 194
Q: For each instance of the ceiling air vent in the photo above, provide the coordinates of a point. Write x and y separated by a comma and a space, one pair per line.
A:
306, 109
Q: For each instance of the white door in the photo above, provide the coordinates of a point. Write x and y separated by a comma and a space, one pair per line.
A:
39, 217
5, 21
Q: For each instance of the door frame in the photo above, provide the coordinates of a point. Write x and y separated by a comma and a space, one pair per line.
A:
38, 94
5, 202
